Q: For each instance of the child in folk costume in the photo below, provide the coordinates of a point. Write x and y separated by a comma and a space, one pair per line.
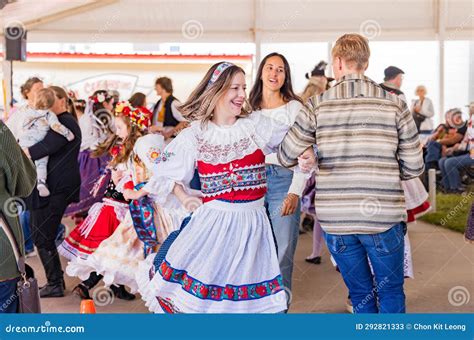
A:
140, 232
96, 129
224, 259
105, 217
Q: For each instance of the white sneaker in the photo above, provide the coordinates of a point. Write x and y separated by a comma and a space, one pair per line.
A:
43, 189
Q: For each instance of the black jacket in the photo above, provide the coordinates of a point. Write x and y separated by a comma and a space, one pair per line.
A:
63, 165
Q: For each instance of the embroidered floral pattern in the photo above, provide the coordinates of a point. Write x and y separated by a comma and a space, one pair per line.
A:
218, 293
236, 179
168, 306
156, 156
215, 154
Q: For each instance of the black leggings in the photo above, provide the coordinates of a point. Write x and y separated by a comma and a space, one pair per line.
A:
45, 222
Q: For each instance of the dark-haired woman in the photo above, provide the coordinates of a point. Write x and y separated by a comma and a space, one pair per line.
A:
96, 127
273, 96
63, 182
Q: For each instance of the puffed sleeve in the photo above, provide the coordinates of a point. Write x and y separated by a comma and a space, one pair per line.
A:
269, 132
177, 165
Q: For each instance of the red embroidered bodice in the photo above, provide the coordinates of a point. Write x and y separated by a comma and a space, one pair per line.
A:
242, 179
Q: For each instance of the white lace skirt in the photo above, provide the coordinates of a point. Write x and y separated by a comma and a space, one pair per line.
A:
223, 261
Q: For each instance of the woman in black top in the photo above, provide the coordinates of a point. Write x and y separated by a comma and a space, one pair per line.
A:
64, 184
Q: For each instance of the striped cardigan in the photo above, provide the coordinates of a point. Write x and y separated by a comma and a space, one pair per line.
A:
367, 143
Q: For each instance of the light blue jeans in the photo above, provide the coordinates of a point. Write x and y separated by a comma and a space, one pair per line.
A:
285, 229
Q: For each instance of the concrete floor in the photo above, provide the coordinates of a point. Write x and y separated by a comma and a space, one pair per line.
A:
443, 262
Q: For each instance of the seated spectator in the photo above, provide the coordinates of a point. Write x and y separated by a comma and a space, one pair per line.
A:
445, 136
459, 156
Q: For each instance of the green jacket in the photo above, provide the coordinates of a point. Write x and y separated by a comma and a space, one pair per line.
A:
17, 179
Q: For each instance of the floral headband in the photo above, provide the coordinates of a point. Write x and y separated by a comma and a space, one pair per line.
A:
218, 71
137, 117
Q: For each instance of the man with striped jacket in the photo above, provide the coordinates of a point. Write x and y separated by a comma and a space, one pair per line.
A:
367, 143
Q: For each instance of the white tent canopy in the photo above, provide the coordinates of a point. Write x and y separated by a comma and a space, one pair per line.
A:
257, 21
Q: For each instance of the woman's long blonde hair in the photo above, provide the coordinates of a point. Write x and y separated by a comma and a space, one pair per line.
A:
203, 100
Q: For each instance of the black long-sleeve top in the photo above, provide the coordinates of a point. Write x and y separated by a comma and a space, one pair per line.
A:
63, 165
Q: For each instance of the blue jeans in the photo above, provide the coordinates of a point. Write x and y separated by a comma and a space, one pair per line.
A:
450, 170
8, 297
25, 225
286, 228
433, 154
382, 291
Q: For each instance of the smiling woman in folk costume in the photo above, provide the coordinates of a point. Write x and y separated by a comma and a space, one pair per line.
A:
144, 227
105, 217
224, 259
96, 128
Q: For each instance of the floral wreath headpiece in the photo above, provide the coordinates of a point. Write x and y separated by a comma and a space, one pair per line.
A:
137, 117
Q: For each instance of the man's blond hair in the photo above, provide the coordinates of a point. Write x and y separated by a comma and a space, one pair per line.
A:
353, 49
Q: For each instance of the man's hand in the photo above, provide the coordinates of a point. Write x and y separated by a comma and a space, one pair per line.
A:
307, 160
